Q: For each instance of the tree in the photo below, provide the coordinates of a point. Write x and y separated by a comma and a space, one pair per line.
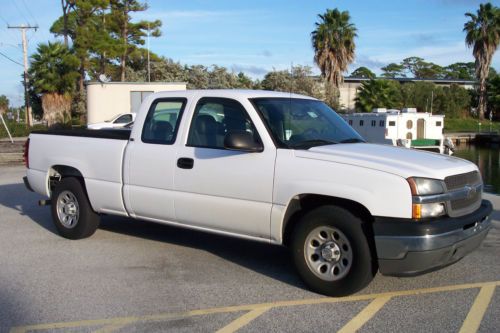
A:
130, 34
363, 72
53, 72
493, 94
378, 94
333, 44
393, 70
483, 35
4, 104
460, 71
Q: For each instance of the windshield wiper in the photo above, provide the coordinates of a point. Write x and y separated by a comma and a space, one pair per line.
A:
352, 140
311, 143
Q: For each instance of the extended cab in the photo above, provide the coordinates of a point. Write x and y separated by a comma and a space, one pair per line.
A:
274, 167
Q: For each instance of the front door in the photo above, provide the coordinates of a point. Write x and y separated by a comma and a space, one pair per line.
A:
222, 189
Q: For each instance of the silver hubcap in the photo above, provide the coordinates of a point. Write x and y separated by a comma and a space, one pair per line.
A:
328, 253
68, 210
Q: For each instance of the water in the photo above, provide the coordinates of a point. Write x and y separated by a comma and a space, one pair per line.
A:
488, 161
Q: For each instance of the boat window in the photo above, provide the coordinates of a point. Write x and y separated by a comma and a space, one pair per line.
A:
374, 123
438, 123
392, 123
409, 136
350, 122
381, 123
361, 123
409, 124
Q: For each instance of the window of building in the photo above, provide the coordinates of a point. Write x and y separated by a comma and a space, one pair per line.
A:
392, 123
162, 121
438, 123
361, 123
214, 118
136, 98
381, 123
374, 123
350, 122
409, 124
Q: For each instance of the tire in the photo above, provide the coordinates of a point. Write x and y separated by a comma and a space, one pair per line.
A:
71, 210
333, 252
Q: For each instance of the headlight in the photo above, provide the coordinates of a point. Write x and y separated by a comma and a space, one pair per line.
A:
425, 186
427, 210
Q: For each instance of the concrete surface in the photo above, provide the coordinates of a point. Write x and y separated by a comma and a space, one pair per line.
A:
134, 276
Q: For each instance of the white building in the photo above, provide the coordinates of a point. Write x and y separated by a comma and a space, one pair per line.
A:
106, 100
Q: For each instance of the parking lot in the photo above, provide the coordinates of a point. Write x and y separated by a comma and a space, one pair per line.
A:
135, 276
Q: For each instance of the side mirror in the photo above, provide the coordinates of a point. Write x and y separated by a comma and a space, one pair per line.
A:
242, 141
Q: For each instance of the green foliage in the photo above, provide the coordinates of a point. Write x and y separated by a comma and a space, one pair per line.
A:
494, 95
363, 72
53, 69
460, 71
453, 101
378, 94
300, 81
333, 44
4, 104
393, 70
469, 125
18, 129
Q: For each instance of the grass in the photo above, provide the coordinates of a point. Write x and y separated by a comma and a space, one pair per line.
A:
469, 125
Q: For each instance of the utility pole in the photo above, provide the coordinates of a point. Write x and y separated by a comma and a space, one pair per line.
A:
23, 28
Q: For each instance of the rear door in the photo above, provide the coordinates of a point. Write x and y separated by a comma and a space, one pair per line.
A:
218, 188
150, 161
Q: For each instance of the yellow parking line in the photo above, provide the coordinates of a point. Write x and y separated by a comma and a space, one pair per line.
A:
366, 314
247, 307
243, 320
478, 309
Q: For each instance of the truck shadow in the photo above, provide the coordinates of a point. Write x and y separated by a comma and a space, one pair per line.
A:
17, 197
270, 260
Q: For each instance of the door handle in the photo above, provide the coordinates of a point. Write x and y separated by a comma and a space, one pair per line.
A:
185, 163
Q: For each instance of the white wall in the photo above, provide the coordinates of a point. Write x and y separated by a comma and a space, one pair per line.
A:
105, 100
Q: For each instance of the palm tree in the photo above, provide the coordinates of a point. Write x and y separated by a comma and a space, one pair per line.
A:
333, 43
378, 94
483, 35
53, 73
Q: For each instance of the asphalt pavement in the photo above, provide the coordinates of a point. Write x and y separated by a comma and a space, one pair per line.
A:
134, 276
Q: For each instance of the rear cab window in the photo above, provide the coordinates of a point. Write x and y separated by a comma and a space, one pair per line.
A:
162, 121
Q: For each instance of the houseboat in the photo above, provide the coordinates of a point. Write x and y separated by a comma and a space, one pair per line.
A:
407, 128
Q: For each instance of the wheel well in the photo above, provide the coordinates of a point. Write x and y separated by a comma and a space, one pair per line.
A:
303, 203
58, 172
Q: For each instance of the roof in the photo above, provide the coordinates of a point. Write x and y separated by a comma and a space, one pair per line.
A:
134, 83
230, 93
410, 79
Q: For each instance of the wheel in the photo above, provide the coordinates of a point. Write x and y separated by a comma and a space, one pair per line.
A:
332, 252
71, 211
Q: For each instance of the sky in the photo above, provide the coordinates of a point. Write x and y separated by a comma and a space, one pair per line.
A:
258, 36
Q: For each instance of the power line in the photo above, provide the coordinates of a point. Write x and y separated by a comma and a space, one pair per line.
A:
29, 12
6, 56
21, 12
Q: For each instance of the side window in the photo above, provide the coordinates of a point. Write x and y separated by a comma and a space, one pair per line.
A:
125, 119
162, 121
374, 123
382, 123
214, 118
361, 123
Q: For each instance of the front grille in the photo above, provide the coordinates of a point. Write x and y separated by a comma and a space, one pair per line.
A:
466, 202
459, 181
463, 206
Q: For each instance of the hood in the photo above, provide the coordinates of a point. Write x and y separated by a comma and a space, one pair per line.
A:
403, 162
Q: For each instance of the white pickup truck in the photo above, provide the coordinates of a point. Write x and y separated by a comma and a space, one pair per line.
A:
273, 167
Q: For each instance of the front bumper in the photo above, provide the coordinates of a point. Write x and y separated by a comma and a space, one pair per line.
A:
406, 247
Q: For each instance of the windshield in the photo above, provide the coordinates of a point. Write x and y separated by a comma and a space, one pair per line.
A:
303, 123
